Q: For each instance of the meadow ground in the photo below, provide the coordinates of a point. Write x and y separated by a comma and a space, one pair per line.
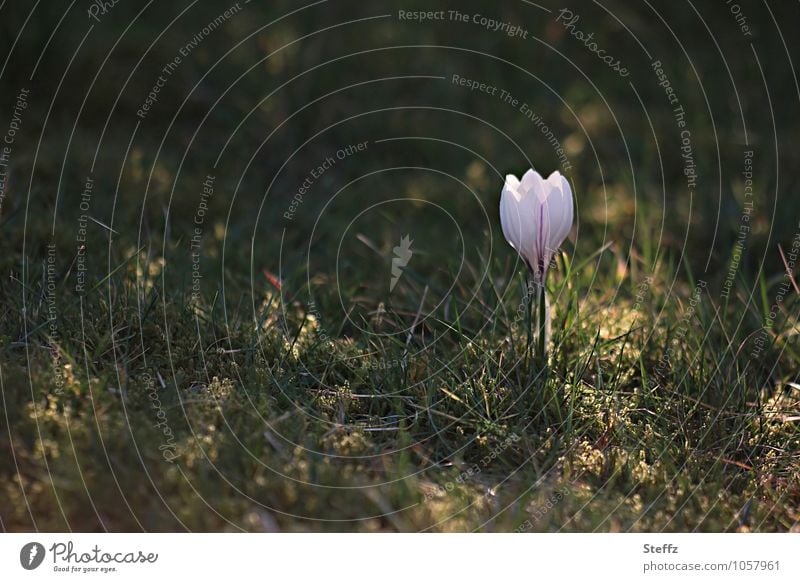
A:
201, 327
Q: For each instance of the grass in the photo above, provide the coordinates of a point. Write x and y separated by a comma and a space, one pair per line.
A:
328, 403
273, 427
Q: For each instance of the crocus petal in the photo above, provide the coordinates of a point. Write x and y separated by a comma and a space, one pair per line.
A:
567, 215
512, 184
538, 231
568, 211
535, 225
555, 179
561, 207
531, 183
510, 218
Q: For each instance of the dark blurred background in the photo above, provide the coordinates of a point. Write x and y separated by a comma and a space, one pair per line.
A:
278, 87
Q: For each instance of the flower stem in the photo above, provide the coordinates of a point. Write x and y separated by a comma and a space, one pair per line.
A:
529, 327
541, 324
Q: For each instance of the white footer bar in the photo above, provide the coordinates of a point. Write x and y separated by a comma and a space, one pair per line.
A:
390, 557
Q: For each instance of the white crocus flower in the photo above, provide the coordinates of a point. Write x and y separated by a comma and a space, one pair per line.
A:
536, 216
